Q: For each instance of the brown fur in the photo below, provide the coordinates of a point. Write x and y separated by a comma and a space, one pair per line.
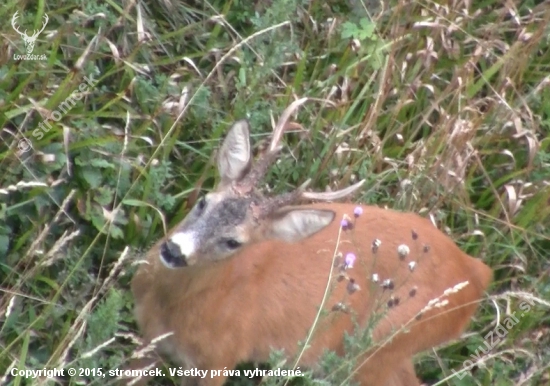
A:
267, 296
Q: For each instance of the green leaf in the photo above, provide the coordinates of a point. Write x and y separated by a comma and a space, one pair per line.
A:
101, 163
93, 177
4, 243
367, 29
116, 232
349, 30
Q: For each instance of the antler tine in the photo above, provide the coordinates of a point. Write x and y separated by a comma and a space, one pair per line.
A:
272, 204
279, 128
14, 20
44, 24
259, 169
330, 196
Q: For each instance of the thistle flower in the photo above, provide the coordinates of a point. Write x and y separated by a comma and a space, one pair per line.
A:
350, 260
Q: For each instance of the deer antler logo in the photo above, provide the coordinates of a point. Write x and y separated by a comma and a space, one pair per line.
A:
29, 40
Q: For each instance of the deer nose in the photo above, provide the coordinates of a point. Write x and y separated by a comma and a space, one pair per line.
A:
171, 255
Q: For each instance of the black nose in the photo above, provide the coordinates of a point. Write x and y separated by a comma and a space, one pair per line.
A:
171, 254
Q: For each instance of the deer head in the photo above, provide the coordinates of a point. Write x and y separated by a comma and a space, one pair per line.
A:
236, 213
28, 40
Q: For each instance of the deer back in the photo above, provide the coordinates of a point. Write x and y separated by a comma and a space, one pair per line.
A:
267, 295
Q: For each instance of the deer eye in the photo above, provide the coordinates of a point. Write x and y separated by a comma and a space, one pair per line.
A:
201, 204
232, 243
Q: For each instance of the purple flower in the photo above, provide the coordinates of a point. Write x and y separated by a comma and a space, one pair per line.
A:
358, 211
350, 260
344, 223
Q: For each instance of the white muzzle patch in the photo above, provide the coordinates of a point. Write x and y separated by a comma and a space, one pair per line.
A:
186, 243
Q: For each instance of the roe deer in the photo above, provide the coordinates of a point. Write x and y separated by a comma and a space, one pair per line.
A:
243, 274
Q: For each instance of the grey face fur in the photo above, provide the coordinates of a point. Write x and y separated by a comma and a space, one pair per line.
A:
236, 214
214, 229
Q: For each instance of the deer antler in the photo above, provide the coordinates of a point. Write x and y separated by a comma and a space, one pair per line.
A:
331, 196
271, 204
259, 169
15, 27
35, 34
44, 24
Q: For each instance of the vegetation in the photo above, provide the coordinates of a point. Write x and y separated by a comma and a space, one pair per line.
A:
443, 107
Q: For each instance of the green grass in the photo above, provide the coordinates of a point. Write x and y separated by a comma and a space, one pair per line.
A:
442, 111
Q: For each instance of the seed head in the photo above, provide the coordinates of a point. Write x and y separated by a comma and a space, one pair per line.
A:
375, 245
352, 286
388, 284
403, 250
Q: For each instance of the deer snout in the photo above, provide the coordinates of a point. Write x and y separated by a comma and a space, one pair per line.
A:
171, 255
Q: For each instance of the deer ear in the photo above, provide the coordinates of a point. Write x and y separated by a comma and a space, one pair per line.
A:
293, 225
234, 154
